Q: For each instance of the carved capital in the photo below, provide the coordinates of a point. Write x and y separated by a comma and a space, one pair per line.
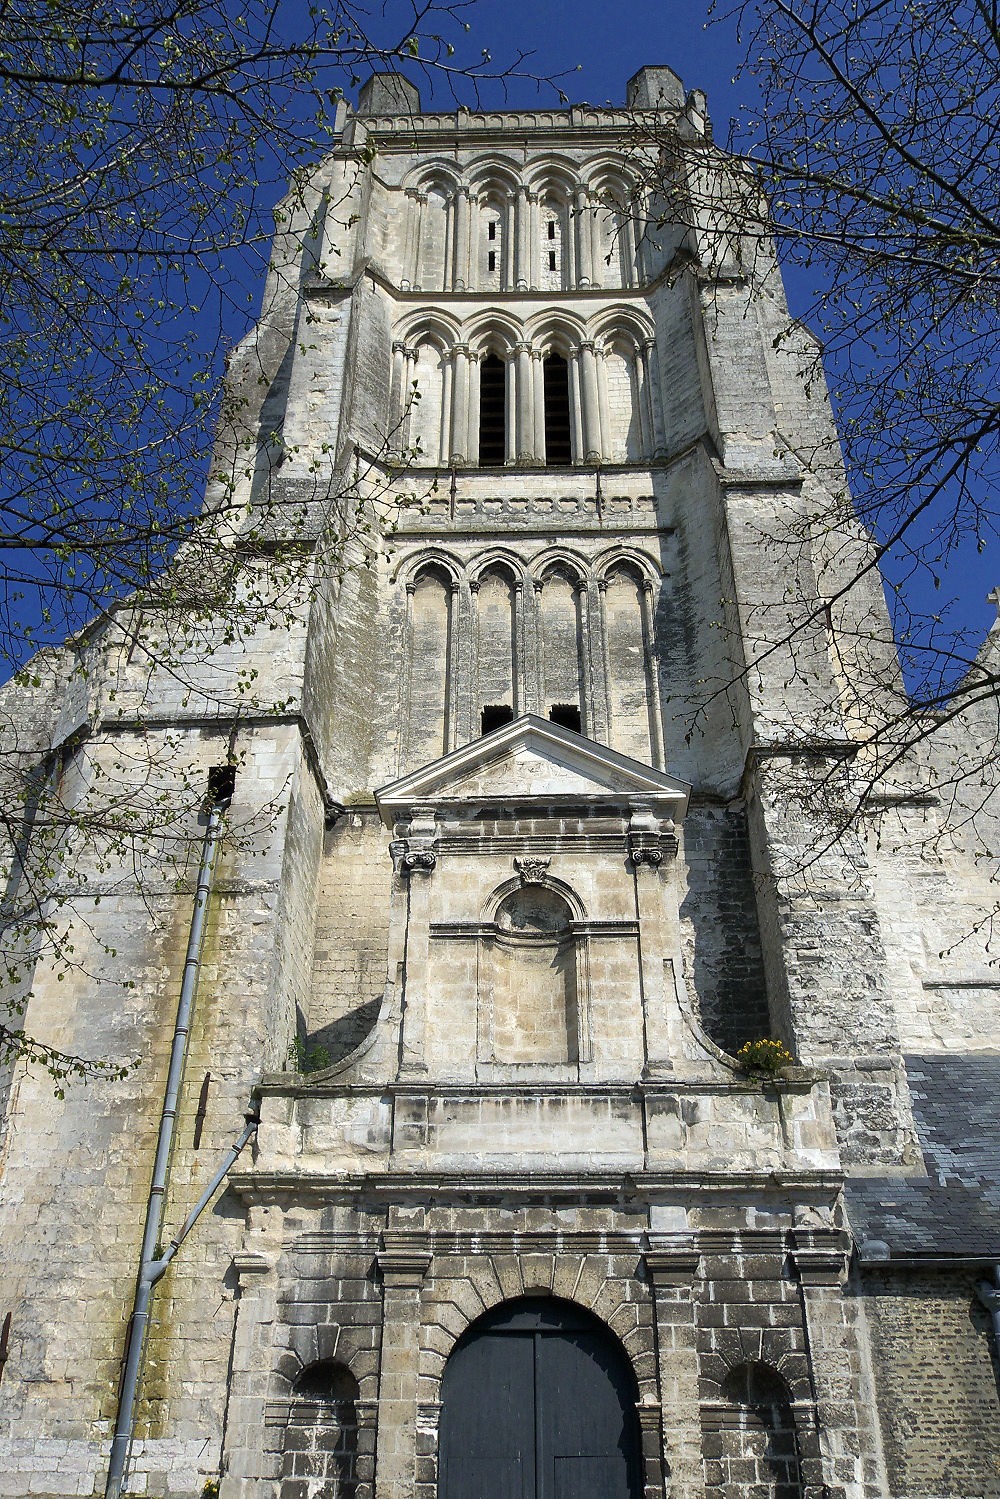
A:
415, 856
532, 871
651, 841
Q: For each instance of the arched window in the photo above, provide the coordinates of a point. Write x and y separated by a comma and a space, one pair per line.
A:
321, 1438
492, 412
631, 660
763, 1458
431, 623
558, 446
496, 643
538, 1401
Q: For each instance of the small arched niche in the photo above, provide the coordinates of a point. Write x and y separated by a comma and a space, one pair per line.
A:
760, 1446
533, 976
321, 1436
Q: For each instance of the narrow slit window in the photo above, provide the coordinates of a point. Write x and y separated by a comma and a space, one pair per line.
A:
558, 451
491, 229
552, 228
552, 260
492, 411
495, 715
567, 716
491, 261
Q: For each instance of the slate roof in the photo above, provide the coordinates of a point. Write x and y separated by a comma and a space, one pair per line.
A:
955, 1208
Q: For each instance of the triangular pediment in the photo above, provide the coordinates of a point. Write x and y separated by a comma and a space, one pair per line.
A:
534, 761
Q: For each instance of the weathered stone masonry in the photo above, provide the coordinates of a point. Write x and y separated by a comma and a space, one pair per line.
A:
539, 870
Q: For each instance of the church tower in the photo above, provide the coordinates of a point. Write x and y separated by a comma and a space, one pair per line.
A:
517, 1223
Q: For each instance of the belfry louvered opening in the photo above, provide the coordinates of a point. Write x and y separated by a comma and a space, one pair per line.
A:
558, 449
492, 412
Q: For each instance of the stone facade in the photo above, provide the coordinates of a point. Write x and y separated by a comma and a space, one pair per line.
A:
536, 865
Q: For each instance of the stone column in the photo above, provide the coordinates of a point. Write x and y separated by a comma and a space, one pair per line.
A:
576, 405
594, 239
591, 403
672, 1273
653, 674
651, 381
606, 660
402, 1269
444, 436
586, 665
522, 259
604, 405
538, 385
453, 699
519, 678
525, 405
505, 266
409, 375
459, 453
397, 396
539, 705
626, 236
535, 247
405, 691
415, 201
460, 275
473, 694
581, 237
472, 455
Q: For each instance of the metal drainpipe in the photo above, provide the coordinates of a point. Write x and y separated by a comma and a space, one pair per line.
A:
150, 1267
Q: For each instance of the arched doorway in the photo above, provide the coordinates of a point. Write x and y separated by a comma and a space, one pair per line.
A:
538, 1402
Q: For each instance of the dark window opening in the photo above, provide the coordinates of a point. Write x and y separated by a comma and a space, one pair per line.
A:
492, 260
552, 260
567, 716
221, 784
495, 715
552, 229
491, 229
557, 440
492, 411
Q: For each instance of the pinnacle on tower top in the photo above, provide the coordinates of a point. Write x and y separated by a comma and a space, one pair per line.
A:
655, 87
388, 94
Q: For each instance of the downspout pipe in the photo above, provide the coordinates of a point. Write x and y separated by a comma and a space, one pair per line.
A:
151, 1265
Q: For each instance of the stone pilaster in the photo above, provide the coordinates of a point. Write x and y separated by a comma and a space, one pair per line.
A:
672, 1273
403, 1267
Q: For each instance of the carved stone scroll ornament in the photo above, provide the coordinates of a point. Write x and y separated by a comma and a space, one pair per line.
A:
651, 846
532, 871
407, 858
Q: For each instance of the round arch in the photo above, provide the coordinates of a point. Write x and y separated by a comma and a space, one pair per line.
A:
497, 558
436, 328
496, 898
538, 1397
492, 332
492, 175
560, 560
409, 569
436, 173
556, 332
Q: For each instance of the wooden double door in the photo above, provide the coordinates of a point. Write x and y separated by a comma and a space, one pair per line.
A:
538, 1402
